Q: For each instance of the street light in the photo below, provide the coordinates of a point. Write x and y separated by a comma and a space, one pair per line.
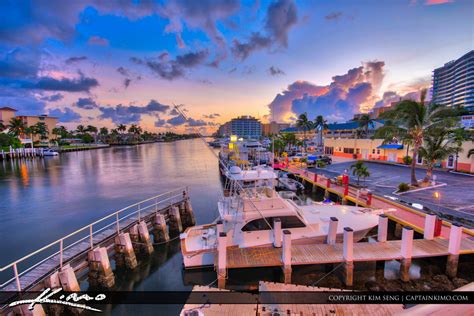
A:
437, 196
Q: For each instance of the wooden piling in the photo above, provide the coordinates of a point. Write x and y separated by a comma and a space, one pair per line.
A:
100, 271
175, 221
191, 220
221, 260
332, 231
348, 254
286, 256
455, 237
53, 283
406, 253
277, 233
430, 222
135, 238
124, 254
160, 230
382, 228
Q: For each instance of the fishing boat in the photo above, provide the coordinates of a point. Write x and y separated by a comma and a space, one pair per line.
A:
247, 213
50, 152
289, 184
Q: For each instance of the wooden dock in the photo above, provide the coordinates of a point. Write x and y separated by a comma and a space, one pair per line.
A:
402, 214
324, 253
74, 250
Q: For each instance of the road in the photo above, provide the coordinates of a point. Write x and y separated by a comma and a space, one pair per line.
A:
456, 198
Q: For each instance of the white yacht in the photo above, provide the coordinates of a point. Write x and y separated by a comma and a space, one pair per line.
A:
289, 184
247, 212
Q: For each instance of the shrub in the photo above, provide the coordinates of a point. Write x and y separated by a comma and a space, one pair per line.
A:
320, 164
403, 187
407, 160
7, 140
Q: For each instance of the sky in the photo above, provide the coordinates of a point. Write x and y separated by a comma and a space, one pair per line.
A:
130, 62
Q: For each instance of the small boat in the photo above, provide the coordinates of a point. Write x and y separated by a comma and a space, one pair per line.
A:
289, 184
50, 152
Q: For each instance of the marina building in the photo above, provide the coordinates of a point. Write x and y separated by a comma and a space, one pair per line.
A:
273, 128
243, 126
453, 84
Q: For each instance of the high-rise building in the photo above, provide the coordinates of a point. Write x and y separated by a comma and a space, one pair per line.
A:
273, 128
453, 84
246, 127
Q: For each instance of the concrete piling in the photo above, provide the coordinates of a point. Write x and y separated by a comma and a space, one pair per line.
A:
134, 237
68, 279
53, 283
286, 256
382, 228
100, 271
348, 254
398, 230
144, 237
277, 233
430, 222
175, 221
455, 237
332, 231
124, 254
160, 230
406, 253
221, 260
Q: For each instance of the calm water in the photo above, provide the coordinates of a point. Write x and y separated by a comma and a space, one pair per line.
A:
42, 200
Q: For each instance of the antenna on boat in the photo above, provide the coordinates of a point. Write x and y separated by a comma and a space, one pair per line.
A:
180, 112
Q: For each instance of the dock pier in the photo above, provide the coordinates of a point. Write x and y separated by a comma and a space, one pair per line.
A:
121, 236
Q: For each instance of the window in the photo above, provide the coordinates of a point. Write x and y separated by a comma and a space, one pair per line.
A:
291, 222
348, 150
256, 225
378, 151
358, 151
373, 151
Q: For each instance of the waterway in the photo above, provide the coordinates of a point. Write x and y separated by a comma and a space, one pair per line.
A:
42, 200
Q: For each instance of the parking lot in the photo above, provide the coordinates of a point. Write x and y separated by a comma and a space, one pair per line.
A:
456, 197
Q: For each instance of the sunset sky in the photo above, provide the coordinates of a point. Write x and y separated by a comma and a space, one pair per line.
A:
106, 63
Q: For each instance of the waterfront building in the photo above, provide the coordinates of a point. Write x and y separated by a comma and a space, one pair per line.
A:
6, 114
453, 83
273, 128
49, 121
243, 126
375, 149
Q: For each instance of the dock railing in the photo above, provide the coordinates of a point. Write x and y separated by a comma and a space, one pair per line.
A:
87, 233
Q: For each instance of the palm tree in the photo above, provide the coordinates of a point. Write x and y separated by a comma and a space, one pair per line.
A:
40, 129
306, 125
365, 121
121, 128
16, 126
416, 119
436, 146
92, 129
470, 153
321, 125
103, 133
289, 139
2, 126
360, 170
459, 135
81, 129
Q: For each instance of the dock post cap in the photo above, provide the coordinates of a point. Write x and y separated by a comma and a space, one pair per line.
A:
219, 222
222, 234
348, 229
286, 232
407, 228
383, 215
277, 219
334, 219
456, 225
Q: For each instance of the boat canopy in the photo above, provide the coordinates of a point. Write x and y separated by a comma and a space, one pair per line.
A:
253, 175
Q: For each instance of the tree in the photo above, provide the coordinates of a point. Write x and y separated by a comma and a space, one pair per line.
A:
2, 126
470, 153
121, 128
365, 121
321, 125
360, 170
40, 129
459, 135
304, 124
60, 131
81, 129
103, 133
289, 139
92, 129
436, 146
416, 119
16, 126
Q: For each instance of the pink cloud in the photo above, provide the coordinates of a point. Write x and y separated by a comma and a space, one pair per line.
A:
435, 2
97, 40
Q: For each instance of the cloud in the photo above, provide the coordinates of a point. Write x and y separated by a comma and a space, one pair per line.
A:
97, 40
160, 122
176, 121
20, 63
81, 84
123, 71
281, 16
74, 59
86, 103
52, 98
211, 116
347, 94
275, 71
121, 114
67, 115
334, 16
175, 68
256, 42
194, 123
435, 2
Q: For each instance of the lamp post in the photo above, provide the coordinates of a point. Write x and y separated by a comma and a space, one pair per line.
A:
437, 197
